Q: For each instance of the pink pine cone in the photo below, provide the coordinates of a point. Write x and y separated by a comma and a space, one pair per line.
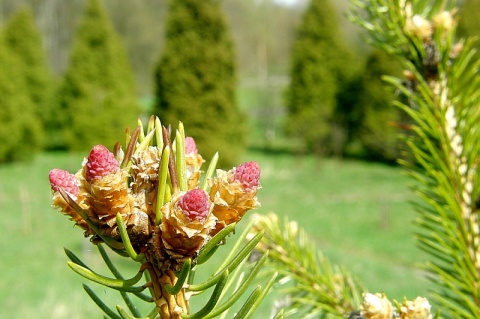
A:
195, 204
190, 146
248, 174
100, 162
63, 179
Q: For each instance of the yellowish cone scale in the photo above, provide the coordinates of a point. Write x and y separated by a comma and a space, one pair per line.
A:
108, 196
194, 162
60, 203
144, 172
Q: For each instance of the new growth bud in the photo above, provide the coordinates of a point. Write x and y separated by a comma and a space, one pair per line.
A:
420, 27
376, 306
444, 20
100, 162
63, 179
416, 309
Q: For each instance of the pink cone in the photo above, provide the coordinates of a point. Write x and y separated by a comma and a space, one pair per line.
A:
195, 204
248, 174
100, 162
63, 179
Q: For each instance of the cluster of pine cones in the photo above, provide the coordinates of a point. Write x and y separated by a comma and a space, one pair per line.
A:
103, 188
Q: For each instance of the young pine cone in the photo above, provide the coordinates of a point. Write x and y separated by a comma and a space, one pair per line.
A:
186, 224
106, 184
234, 193
107, 193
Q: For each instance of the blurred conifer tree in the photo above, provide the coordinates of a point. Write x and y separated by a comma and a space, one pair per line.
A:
378, 129
196, 79
320, 67
23, 87
97, 97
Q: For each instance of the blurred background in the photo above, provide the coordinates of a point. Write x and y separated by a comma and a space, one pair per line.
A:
302, 84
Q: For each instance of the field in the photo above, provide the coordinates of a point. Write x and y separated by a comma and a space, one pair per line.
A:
357, 213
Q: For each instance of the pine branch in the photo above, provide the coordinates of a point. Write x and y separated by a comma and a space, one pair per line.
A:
440, 92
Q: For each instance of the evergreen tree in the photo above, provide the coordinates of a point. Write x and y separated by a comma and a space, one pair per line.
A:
195, 79
319, 68
377, 129
97, 97
23, 40
19, 128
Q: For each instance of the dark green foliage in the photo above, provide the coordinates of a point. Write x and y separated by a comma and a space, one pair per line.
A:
378, 123
320, 66
23, 40
97, 97
21, 132
469, 23
195, 79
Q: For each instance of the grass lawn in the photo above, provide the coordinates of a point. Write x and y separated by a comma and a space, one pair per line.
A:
357, 213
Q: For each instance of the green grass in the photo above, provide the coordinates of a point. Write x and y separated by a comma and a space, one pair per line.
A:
357, 213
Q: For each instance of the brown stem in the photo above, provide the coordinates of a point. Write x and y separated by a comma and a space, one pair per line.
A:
131, 146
